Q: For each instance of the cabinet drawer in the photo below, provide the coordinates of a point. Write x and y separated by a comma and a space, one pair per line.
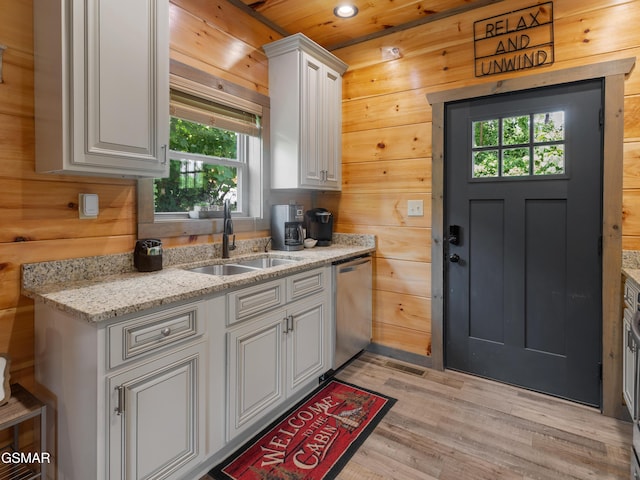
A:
144, 334
306, 283
254, 300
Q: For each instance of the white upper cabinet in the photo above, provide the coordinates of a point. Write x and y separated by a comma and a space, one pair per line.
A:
305, 87
102, 87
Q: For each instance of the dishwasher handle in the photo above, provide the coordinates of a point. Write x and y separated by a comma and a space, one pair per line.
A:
350, 268
352, 264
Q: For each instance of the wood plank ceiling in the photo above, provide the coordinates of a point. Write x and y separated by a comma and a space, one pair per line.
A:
315, 18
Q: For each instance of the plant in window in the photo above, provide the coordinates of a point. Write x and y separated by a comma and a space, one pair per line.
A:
193, 181
485, 164
515, 162
548, 160
485, 133
515, 130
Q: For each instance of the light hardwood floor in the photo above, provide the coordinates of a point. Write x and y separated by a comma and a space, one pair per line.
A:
453, 426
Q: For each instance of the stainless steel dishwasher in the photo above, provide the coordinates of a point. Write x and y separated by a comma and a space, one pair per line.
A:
352, 283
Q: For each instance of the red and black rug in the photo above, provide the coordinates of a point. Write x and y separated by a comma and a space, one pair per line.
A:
312, 441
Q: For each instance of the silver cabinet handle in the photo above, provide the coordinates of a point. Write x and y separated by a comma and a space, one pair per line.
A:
165, 332
635, 328
119, 410
288, 324
166, 153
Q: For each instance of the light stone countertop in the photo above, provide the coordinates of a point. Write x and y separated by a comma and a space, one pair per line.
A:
631, 265
97, 289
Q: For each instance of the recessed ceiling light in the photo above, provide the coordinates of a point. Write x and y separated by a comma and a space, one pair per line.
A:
345, 11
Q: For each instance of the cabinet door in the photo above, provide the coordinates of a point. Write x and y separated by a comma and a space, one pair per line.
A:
156, 416
311, 122
306, 342
255, 362
628, 362
320, 126
332, 139
121, 117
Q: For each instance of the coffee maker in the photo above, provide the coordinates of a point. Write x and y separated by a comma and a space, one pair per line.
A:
319, 225
286, 227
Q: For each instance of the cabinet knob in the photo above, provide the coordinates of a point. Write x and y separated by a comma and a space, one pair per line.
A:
165, 332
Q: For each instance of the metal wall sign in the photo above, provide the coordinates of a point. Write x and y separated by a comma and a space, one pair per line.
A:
513, 41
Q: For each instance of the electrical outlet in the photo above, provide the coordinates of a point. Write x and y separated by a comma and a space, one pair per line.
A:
415, 208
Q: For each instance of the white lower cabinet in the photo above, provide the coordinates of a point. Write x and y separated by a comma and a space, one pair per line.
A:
277, 354
629, 346
628, 362
158, 395
255, 363
306, 348
133, 399
156, 426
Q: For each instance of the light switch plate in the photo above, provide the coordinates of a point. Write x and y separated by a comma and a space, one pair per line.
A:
415, 208
88, 206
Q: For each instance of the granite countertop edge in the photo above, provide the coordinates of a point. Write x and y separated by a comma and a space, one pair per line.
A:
633, 274
631, 265
76, 286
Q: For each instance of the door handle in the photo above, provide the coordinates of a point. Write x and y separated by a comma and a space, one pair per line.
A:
454, 258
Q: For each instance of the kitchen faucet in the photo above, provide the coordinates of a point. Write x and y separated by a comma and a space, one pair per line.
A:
227, 229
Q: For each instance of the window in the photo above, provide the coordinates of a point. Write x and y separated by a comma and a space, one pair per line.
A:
217, 151
520, 146
209, 152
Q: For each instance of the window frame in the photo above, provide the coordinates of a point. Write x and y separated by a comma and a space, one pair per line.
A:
189, 79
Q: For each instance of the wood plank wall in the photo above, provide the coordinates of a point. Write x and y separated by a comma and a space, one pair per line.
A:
386, 141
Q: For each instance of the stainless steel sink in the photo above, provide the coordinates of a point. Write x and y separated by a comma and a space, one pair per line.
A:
225, 269
242, 266
265, 262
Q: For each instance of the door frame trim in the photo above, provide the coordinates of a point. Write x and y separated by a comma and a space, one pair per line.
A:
613, 73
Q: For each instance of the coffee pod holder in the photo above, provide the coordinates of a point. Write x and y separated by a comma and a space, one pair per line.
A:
147, 256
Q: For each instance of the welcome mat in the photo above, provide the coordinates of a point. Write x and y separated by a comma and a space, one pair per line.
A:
314, 440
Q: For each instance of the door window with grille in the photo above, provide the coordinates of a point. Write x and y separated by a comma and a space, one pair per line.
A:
519, 146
